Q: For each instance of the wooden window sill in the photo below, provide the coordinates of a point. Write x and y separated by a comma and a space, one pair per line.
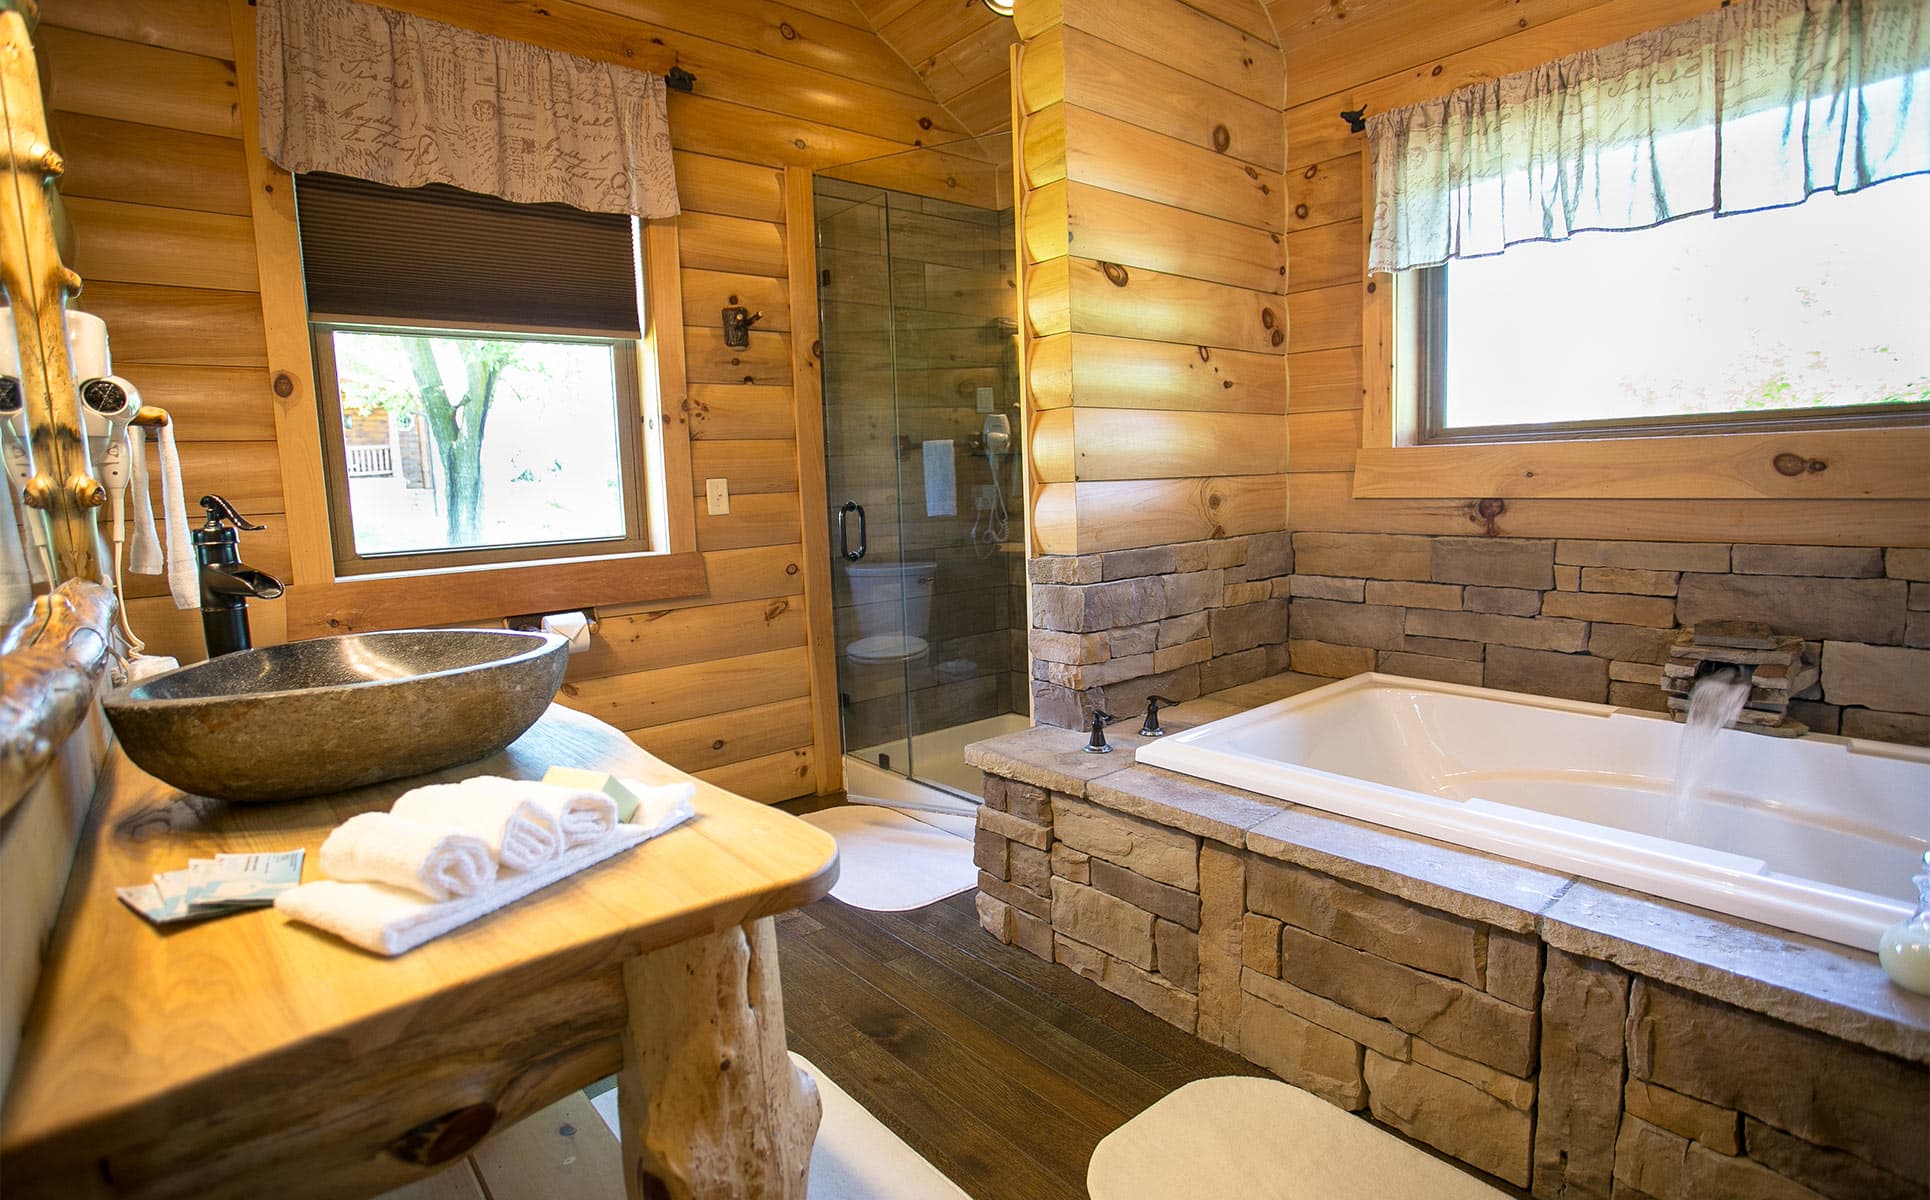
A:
1839, 464
355, 604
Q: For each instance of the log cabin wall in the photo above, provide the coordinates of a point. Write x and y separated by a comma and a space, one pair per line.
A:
146, 109
960, 48
1575, 597
1151, 228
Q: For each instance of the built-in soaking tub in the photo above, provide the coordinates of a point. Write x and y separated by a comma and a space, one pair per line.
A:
1818, 835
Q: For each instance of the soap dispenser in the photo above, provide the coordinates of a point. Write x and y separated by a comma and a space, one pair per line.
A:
1905, 948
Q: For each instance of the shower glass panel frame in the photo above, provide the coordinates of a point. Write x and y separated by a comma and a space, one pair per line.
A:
917, 305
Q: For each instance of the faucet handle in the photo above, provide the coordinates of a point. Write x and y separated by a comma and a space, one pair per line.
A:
219, 510
1097, 745
1150, 726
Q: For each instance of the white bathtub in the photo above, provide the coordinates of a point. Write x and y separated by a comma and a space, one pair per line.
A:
1819, 835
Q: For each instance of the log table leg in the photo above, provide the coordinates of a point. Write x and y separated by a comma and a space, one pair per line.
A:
711, 1105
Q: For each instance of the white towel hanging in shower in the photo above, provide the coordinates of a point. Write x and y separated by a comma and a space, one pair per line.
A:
941, 479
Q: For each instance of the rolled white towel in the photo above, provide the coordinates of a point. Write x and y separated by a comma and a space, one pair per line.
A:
662, 805
521, 834
434, 860
580, 814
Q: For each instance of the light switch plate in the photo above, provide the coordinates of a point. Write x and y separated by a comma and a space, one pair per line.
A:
985, 400
717, 496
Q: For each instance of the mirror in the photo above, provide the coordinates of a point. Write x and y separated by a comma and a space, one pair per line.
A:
55, 634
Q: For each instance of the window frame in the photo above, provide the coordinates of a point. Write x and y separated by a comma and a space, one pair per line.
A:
643, 492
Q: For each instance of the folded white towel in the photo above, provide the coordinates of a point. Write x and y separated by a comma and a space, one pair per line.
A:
435, 860
522, 834
391, 921
581, 815
661, 802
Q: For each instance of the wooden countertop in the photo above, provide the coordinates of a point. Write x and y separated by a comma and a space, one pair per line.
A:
139, 1035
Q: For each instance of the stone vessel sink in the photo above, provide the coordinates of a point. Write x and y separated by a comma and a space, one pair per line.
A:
328, 714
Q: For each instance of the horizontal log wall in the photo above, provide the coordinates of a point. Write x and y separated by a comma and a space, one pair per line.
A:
145, 108
1351, 56
960, 50
1153, 242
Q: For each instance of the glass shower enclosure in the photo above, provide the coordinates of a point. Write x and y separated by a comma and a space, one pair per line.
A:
917, 304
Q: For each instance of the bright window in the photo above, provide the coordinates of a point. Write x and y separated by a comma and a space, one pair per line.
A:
475, 446
1807, 315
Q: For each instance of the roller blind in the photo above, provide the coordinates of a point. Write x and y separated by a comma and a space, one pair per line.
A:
437, 253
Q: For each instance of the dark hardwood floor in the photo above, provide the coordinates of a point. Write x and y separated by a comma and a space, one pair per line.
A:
1002, 1070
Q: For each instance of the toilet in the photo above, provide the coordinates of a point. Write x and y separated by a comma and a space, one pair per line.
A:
889, 634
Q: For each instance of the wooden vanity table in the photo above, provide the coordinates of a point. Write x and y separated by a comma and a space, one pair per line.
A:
249, 1055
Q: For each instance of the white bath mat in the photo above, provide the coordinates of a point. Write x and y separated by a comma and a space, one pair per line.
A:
889, 861
958, 824
855, 1157
1236, 1138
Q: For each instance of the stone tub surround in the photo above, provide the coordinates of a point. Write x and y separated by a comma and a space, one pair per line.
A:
1111, 629
1593, 620
1561, 1035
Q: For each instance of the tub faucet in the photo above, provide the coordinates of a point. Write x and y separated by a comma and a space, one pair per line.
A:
1098, 743
226, 581
1150, 726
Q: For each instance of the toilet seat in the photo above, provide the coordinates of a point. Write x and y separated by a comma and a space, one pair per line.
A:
886, 648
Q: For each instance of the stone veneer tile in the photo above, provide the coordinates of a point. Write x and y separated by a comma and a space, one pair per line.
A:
1629, 579
990, 853
1514, 1092
1006, 825
1325, 658
1534, 633
1260, 944
1017, 897
1509, 602
1850, 610
1909, 728
1176, 954
1464, 882
1453, 1016
1545, 673
1630, 643
1051, 758
1327, 587
1907, 564
1853, 562
1716, 1127
1375, 625
1266, 691
1618, 607
1514, 967
1887, 678
1162, 900
1374, 1034
1659, 1164
1108, 923
1222, 899
1451, 1115
1156, 851
1426, 666
1803, 981
1410, 595
1806, 1083
1382, 925
1494, 562
1209, 810
1584, 1009
1156, 996
1068, 863
1064, 568
1303, 1053
1647, 556
1362, 555
1445, 648
1830, 1173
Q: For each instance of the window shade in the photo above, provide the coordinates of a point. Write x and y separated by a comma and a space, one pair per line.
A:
438, 253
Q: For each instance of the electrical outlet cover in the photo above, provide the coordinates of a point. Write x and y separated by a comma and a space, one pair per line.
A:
985, 400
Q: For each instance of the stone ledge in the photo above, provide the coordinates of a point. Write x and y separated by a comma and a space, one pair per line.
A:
1802, 981
1208, 810
1048, 757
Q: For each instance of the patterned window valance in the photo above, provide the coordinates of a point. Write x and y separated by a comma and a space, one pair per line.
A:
380, 95
1757, 105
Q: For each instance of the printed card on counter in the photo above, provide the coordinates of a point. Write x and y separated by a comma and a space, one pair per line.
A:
211, 887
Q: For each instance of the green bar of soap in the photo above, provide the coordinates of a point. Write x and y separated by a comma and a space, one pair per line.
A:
595, 781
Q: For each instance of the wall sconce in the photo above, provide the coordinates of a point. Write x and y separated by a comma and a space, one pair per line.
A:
1001, 8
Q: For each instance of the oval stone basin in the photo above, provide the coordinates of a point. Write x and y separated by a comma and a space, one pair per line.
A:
328, 714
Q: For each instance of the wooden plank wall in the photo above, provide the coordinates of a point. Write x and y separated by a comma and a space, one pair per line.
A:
960, 48
146, 111
1353, 54
1152, 232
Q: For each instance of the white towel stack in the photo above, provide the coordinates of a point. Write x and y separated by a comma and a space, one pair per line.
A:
449, 853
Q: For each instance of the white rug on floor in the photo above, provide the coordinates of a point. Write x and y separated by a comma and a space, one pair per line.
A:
958, 824
855, 1157
1237, 1138
889, 861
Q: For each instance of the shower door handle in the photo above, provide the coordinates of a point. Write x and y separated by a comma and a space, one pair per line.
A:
844, 530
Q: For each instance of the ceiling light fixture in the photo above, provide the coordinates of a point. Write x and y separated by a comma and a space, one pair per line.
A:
1002, 7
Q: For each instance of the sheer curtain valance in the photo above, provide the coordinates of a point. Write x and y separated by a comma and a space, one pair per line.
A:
1754, 106
380, 95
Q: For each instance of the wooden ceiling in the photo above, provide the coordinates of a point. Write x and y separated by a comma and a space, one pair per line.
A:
959, 48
